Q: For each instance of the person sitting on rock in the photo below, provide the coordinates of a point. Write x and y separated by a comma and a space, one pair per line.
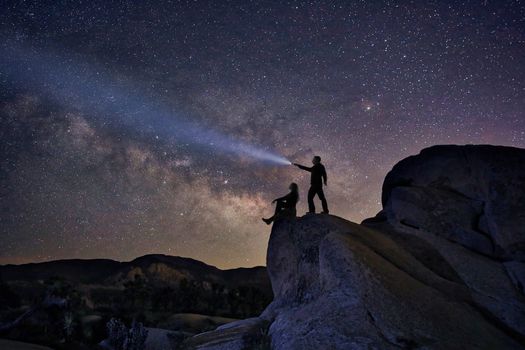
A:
317, 179
285, 206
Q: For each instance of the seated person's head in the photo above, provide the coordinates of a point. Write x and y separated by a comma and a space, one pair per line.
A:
293, 187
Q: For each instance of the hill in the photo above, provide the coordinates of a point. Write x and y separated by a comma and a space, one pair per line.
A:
154, 268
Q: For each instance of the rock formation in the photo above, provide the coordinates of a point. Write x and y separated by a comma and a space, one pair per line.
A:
440, 267
472, 195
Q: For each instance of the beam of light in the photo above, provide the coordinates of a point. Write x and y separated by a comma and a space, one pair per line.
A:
114, 103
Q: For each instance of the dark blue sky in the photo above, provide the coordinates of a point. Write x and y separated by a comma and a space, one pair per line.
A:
362, 84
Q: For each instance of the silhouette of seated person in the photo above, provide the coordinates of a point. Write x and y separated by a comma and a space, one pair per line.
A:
285, 206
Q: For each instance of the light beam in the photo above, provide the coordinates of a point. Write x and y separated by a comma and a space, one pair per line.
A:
114, 103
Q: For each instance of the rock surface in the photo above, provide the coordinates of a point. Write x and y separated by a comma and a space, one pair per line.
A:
245, 334
355, 287
158, 339
473, 195
441, 267
16, 345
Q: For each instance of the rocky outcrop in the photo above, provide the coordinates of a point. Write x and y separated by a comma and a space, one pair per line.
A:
353, 287
439, 268
467, 204
472, 195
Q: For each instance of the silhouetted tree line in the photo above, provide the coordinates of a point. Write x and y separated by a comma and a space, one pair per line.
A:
189, 297
60, 315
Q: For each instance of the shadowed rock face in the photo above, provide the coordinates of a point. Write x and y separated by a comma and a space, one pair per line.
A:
348, 286
440, 268
473, 195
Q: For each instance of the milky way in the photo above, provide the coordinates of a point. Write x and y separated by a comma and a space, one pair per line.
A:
362, 84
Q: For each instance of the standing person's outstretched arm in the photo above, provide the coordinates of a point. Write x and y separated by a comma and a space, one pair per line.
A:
303, 167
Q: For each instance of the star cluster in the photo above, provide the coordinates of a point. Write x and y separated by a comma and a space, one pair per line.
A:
363, 84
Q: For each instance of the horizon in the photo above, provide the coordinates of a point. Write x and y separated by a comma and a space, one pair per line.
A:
131, 260
161, 128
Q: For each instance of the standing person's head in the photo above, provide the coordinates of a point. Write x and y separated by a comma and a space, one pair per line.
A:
316, 160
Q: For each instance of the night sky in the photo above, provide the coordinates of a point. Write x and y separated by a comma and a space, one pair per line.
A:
106, 110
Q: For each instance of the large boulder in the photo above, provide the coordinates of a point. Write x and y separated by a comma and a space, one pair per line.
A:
340, 285
472, 195
466, 204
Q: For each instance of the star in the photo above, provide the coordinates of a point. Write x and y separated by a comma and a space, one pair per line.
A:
361, 86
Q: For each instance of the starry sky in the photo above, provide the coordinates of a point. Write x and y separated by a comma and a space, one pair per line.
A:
89, 167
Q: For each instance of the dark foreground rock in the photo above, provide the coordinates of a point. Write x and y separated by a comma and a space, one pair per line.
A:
440, 268
472, 195
251, 333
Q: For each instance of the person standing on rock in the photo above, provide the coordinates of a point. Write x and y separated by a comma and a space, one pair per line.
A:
317, 179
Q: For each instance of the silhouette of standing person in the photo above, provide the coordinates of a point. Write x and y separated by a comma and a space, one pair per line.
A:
285, 206
317, 179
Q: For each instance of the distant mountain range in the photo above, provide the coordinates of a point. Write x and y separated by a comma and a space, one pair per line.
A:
154, 269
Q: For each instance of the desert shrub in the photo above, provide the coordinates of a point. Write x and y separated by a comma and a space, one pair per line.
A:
122, 338
136, 339
117, 333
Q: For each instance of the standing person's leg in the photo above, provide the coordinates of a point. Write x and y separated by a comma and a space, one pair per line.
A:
311, 205
320, 193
